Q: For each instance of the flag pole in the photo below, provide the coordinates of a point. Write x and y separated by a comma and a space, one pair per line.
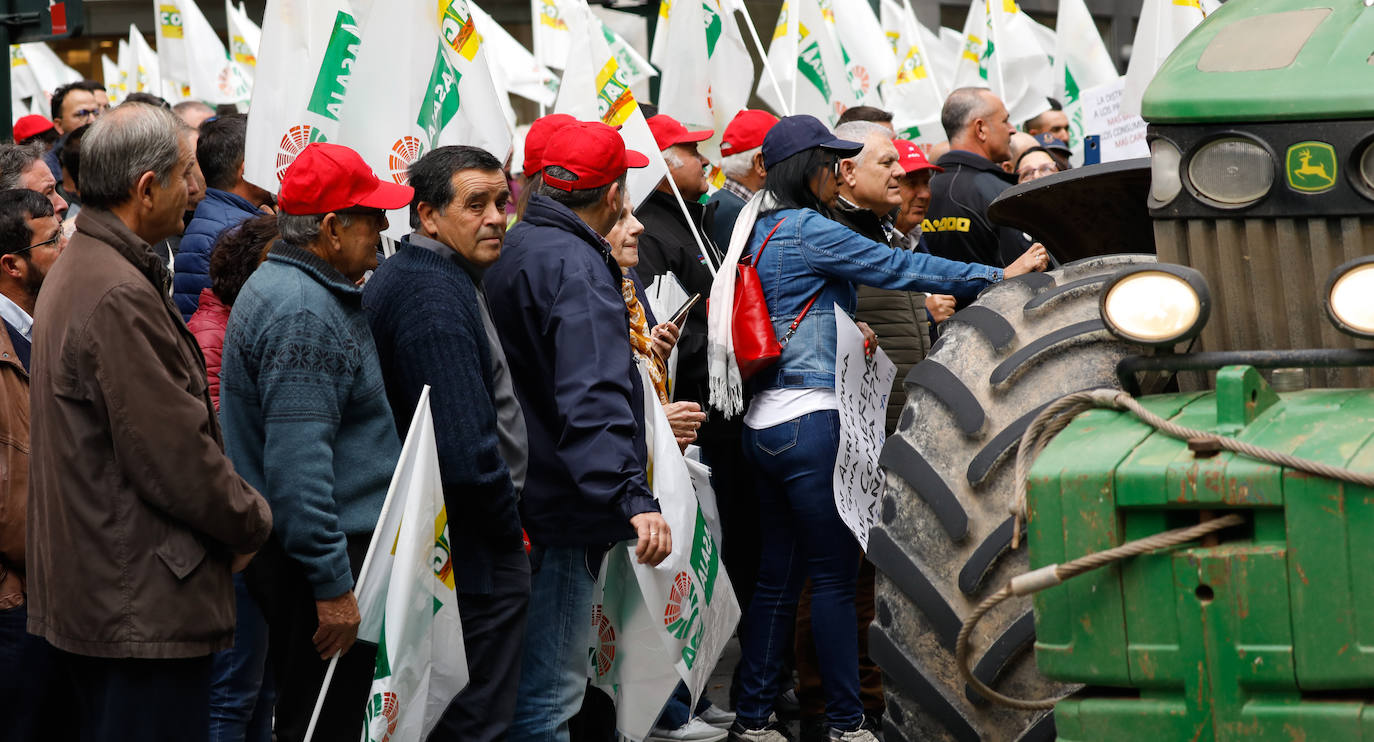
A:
768, 68
534, 44
362, 575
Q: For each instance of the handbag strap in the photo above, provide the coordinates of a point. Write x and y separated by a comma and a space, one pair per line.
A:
754, 260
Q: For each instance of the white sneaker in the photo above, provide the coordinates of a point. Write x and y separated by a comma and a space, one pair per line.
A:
695, 730
858, 735
717, 717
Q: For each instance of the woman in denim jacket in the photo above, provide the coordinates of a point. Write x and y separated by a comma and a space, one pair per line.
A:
791, 431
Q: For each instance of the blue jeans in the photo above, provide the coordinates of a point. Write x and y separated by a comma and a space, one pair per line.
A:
558, 636
241, 694
803, 537
674, 714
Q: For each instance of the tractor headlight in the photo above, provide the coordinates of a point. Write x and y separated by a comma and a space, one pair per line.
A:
1232, 171
1367, 165
1165, 180
1157, 305
1350, 297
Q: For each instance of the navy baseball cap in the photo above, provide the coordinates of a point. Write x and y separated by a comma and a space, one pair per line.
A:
1052, 143
793, 134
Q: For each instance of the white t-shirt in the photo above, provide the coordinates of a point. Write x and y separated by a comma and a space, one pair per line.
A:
776, 406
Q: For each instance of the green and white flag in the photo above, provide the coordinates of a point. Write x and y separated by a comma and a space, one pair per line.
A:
407, 600
596, 88
1018, 67
420, 81
809, 63
707, 70
1080, 62
868, 62
632, 64
244, 38
657, 626
914, 95
971, 70
1163, 24
318, 40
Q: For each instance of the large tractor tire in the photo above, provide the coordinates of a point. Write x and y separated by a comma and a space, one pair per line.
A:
943, 541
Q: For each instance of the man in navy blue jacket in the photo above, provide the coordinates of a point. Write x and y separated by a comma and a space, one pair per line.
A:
229, 199
430, 320
555, 297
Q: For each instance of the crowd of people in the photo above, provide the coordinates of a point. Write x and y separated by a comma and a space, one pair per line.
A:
204, 389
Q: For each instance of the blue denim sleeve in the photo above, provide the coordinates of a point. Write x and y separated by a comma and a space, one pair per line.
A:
834, 250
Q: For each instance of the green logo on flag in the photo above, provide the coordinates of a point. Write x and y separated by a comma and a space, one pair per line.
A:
331, 83
441, 99
812, 68
910, 132
1311, 167
713, 27
705, 558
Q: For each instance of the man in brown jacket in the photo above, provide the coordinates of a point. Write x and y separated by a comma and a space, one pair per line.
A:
136, 517
30, 240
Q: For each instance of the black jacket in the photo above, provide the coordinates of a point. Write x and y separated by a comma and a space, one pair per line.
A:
667, 245
956, 224
556, 302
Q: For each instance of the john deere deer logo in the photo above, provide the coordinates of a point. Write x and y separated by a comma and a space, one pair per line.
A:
1311, 167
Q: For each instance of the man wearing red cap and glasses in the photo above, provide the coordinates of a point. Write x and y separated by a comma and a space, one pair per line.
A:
306, 421
556, 301
741, 158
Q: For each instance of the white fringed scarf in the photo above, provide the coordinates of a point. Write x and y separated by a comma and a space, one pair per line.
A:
727, 388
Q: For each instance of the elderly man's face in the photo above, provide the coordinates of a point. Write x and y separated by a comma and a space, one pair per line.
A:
357, 242
873, 184
169, 202
687, 168
474, 222
78, 107
915, 199
38, 177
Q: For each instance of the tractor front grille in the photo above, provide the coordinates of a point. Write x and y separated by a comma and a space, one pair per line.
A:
1267, 277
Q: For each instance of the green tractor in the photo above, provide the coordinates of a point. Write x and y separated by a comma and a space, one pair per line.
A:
1247, 323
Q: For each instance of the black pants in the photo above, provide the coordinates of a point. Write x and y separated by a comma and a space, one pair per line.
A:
147, 700
493, 634
34, 699
287, 600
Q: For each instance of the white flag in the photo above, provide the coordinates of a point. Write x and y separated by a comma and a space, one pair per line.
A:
632, 64
193, 61
868, 62
517, 72
596, 89
145, 76
407, 600
420, 81
22, 82
707, 70
809, 63
552, 38
947, 44
1163, 24
124, 60
915, 95
244, 38
317, 40
49, 71
1018, 68
110, 71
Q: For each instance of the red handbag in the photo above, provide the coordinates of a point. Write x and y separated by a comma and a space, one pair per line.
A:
751, 328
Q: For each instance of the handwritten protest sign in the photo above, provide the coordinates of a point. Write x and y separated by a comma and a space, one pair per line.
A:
862, 386
1122, 136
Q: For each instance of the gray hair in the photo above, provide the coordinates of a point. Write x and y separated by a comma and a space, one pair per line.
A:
961, 107
14, 160
738, 165
860, 131
124, 144
300, 230
671, 158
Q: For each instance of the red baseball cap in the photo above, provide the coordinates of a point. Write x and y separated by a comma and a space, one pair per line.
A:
667, 132
746, 131
537, 139
593, 151
911, 158
331, 177
30, 125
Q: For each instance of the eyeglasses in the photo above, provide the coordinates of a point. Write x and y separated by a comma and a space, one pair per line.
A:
87, 113
1036, 172
55, 238
835, 167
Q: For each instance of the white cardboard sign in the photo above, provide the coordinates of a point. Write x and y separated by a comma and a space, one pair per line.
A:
862, 386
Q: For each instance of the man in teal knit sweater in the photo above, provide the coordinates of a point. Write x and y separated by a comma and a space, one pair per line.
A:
306, 422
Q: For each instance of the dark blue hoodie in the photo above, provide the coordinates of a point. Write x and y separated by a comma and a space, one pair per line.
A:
556, 302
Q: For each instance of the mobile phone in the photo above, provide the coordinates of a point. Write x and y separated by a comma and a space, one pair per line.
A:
681, 313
